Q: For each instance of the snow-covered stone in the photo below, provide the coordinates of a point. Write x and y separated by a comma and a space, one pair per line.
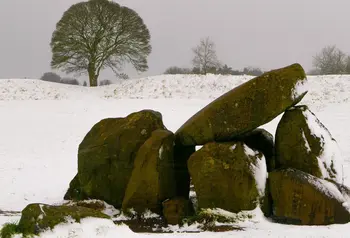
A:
304, 143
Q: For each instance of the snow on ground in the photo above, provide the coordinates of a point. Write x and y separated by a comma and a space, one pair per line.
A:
42, 124
330, 88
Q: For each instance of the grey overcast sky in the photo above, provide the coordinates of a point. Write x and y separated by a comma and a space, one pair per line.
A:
263, 33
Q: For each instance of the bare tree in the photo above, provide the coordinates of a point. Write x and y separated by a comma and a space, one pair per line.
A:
98, 34
330, 60
205, 56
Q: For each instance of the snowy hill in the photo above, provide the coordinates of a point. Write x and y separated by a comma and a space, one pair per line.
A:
329, 89
42, 124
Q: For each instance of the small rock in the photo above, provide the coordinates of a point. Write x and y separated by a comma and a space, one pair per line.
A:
176, 209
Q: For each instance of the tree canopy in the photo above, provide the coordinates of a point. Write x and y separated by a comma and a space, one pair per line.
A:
99, 34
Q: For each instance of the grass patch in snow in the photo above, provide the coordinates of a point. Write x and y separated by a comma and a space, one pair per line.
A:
9, 230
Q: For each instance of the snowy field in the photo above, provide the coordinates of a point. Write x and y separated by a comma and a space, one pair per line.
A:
42, 124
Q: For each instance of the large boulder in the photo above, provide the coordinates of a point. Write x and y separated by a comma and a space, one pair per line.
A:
152, 180
304, 143
302, 199
40, 217
245, 107
230, 176
107, 153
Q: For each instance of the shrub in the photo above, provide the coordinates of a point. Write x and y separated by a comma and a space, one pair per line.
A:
51, 77
69, 81
9, 229
105, 82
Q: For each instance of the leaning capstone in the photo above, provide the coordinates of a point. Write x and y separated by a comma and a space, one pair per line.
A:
246, 107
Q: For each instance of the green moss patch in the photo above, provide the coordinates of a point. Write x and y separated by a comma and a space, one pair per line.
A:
8, 230
40, 217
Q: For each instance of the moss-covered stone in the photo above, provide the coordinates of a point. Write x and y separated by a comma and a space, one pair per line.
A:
74, 191
176, 209
262, 140
225, 176
182, 176
304, 143
40, 217
152, 180
302, 199
106, 154
245, 107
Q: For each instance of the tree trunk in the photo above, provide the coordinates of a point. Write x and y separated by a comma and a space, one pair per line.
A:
92, 75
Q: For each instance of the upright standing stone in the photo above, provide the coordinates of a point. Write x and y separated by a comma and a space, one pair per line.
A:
230, 176
304, 143
107, 153
152, 180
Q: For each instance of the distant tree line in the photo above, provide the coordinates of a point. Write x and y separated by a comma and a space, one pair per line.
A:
330, 60
55, 78
224, 70
206, 61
